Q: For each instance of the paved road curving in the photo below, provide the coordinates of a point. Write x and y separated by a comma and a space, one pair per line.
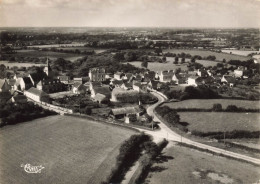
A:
167, 133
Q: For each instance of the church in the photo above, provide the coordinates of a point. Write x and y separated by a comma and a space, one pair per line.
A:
48, 83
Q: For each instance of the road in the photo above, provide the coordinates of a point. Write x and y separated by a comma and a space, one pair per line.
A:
167, 133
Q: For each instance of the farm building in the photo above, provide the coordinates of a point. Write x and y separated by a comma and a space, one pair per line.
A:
126, 112
36, 95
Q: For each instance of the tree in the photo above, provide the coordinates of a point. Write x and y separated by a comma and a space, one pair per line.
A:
119, 56
217, 107
193, 60
182, 60
158, 51
144, 64
164, 59
177, 70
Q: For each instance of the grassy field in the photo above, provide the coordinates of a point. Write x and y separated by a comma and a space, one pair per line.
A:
221, 121
154, 66
205, 53
208, 103
239, 52
6, 63
97, 50
183, 165
251, 143
72, 150
51, 55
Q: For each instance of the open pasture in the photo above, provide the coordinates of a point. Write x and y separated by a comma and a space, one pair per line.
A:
205, 53
239, 52
70, 149
155, 66
208, 103
220, 121
183, 165
50, 54
97, 50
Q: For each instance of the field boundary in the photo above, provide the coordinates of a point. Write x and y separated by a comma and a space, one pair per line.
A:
214, 153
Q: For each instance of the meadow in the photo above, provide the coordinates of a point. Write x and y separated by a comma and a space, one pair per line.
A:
220, 121
208, 103
205, 53
97, 50
155, 66
183, 165
239, 52
10, 65
71, 150
50, 54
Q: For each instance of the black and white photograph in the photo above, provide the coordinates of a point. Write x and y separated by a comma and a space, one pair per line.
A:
129, 91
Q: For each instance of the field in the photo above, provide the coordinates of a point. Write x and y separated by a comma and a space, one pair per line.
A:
251, 143
208, 103
221, 121
205, 53
51, 55
239, 52
183, 165
71, 150
154, 66
6, 63
57, 45
97, 50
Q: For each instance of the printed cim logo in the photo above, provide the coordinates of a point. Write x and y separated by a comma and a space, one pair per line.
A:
32, 169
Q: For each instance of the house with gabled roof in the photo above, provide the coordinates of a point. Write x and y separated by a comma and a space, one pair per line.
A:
154, 84
227, 79
116, 83
119, 75
79, 88
4, 86
64, 79
164, 76
193, 80
36, 95
181, 78
23, 83
140, 87
122, 112
104, 90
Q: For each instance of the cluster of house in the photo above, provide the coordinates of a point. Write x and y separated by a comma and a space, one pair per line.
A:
200, 77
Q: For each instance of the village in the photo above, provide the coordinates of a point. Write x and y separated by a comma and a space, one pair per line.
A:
121, 96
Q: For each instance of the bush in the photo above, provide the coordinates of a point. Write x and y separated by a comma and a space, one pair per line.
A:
232, 108
217, 107
128, 153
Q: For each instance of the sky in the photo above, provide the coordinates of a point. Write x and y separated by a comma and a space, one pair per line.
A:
130, 13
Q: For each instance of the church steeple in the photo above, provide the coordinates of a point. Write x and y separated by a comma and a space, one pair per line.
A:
47, 68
